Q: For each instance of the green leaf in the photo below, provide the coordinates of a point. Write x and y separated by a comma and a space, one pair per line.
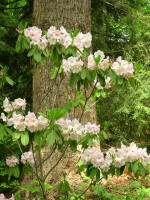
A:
9, 81
97, 59
16, 172
9, 131
43, 115
74, 33
46, 53
91, 75
135, 167
119, 171
98, 175
16, 135
74, 78
52, 136
105, 135
73, 145
25, 43
84, 73
53, 72
43, 60
90, 141
47, 186
112, 170
31, 52
81, 168
37, 138
31, 188
105, 175
93, 173
55, 114
18, 44
37, 55
99, 189
2, 131
25, 138
101, 79
113, 76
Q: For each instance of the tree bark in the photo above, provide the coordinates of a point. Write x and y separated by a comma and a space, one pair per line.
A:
72, 14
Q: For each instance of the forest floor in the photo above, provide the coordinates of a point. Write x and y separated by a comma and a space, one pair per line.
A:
125, 187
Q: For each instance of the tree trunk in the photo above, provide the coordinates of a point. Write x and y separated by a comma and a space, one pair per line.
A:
72, 14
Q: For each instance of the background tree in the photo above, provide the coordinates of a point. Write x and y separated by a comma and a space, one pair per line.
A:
123, 29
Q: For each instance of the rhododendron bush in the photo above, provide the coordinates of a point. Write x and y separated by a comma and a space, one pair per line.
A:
91, 75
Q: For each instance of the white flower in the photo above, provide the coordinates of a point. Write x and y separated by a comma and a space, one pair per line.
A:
3, 117
27, 157
31, 122
19, 104
33, 33
108, 82
12, 161
42, 123
72, 64
43, 43
7, 106
123, 67
92, 128
91, 62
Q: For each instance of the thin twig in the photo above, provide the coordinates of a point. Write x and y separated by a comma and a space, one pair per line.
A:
49, 155
83, 109
86, 189
40, 163
86, 100
56, 163
39, 179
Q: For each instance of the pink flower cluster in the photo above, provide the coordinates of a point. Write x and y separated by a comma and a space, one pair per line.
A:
82, 41
34, 124
103, 63
129, 154
107, 84
91, 128
72, 129
55, 35
17, 121
59, 36
15, 105
72, 64
26, 157
116, 157
96, 157
2, 197
36, 37
123, 67
12, 161
21, 122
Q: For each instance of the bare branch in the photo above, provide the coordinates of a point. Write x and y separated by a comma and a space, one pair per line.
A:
61, 156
